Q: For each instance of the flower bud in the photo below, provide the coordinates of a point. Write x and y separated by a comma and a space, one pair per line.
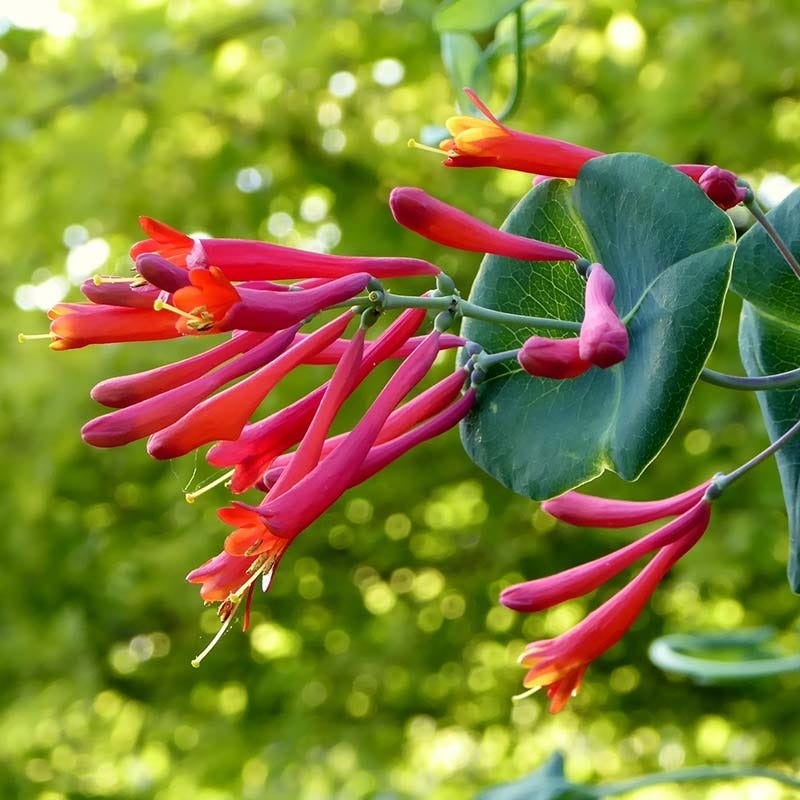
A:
721, 187
604, 338
552, 358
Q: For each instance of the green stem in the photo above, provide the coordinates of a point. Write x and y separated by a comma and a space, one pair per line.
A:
694, 774
721, 482
781, 380
515, 97
467, 309
485, 360
756, 210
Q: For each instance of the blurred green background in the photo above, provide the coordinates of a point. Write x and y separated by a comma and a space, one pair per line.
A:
380, 665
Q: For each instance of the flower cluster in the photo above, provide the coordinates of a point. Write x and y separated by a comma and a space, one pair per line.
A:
266, 300
560, 663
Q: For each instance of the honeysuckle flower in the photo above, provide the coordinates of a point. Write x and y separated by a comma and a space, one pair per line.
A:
212, 304
444, 224
552, 358
164, 408
244, 259
603, 339
722, 188
488, 143
161, 273
80, 324
297, 507
119, 292
225, 414
542, 593
259, 444
602, 512
125, 390
429, 414
560, 663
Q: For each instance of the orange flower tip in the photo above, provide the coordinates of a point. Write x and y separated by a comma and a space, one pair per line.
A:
419, 146
225, 478
30, 337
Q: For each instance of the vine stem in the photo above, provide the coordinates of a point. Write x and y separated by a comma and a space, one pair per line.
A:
467, 309
694, 774
722, 481
755, 209
780, 380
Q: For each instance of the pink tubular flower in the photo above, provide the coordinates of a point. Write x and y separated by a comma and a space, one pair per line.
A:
552, 358
295, 509
602, 512
259, 444
489, 143
560, 663
603, 339
225, 414
212, 304
425, 215
165, 408
244, 259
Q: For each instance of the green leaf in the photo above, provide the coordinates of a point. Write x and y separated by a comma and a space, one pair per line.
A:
540, 23
760, 274
669, 249
547, 783
472, 15
465, 66
768, 345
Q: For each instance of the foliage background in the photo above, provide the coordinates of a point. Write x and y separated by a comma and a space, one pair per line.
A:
380, 664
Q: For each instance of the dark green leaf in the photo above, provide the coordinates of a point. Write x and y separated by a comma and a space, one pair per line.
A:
760, 274
669, 252
769, 345
472, 15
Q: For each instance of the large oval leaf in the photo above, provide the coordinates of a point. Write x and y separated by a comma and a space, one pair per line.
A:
769, 342
669, 250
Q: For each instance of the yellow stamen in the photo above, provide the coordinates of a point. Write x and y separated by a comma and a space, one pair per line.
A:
192, 496
418, 146
515, 698
29, 337
210, 646
160, 305
99, 280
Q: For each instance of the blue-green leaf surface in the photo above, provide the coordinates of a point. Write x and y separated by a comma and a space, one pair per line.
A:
769, 342
669, 250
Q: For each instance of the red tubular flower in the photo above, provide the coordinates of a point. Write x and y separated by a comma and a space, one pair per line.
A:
489, 143
295, 509
560, 663
552, 358
425, 215
125, 390
162, 410
601, 512
225, 414
243, 259
77, 325
260, 443
545, 592
604, 338
332, 353
161, 272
